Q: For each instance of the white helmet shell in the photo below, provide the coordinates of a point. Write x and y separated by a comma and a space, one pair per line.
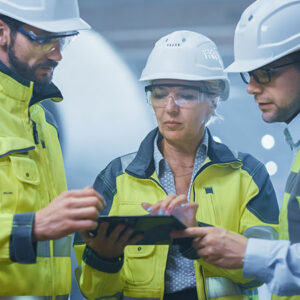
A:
267, 31
186, 55
49, 15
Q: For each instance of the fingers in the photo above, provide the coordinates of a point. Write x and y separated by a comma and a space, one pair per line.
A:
190, 232
164, 207
146, 206
85, 197
81, 225
112, 244
186, 213
89, 212
134, 240
176, 201
88, 191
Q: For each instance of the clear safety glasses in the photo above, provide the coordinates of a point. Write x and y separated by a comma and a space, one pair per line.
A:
158, 95
263, 75
47, 43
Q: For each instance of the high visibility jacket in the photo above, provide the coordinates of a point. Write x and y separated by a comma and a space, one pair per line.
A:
31, 175
289, 219
235, 193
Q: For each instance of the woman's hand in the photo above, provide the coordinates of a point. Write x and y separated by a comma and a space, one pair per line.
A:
177, 206
113, 245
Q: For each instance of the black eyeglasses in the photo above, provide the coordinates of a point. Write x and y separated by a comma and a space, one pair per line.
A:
46, 43
263, 75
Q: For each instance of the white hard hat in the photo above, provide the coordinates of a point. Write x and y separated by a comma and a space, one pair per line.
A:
267, 31
186, 55
49, 15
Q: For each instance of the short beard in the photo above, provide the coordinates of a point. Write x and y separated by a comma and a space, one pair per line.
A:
25, 70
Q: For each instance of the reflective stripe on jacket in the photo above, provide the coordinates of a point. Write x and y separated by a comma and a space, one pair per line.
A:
31, 175
289, 220
235, 193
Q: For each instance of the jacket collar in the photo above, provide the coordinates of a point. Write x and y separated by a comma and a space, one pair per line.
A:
143, 163
39, 93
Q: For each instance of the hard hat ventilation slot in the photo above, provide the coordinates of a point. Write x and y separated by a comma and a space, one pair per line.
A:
173, 45
250, 18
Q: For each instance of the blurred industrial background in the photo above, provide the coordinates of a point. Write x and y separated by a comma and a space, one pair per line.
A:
105, 114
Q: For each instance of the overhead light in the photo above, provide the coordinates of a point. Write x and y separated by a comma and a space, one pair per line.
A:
268, 141
271, 167
217, 139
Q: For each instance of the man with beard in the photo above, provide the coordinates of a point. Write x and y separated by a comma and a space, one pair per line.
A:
37, 214
267, 54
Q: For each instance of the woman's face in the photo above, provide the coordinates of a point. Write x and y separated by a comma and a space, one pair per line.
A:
180, 123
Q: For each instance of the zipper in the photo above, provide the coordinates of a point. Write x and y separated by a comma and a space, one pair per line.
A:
35, 132
204, 283
48, 178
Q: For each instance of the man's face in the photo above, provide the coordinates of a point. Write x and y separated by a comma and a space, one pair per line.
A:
29, 61
279, 100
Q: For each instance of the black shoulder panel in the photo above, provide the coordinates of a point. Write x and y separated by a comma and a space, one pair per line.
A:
264, 205
105, 183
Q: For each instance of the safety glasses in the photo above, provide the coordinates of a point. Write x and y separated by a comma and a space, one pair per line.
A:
47, 43
263, 75
158, 95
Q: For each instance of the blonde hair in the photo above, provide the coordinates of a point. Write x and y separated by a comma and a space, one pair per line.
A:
214, 89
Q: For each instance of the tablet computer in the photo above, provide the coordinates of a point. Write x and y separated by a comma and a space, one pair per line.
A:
154, 229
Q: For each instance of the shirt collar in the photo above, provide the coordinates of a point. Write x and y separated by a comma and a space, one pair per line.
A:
292, 133
158, 157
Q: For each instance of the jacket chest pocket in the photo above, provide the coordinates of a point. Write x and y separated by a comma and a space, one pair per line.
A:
140, 265
208, 211
19, 185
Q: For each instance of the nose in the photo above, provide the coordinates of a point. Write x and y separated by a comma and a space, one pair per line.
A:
171, 105
55, 52
254, 87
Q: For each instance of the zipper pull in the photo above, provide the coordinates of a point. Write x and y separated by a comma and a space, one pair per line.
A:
35, 133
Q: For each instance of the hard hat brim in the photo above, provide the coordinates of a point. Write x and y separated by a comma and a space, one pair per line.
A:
74, 24
245, 66
178, 76
62, 25
241, 66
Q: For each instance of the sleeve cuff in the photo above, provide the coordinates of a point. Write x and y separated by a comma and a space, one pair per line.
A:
21, 247
258, 262
91, 258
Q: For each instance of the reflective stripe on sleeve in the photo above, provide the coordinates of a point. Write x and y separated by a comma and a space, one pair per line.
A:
61, 248
223, 287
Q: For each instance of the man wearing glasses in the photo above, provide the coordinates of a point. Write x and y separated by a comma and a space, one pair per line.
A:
36, 214
267, 44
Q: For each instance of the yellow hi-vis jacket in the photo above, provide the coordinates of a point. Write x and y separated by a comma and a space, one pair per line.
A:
289, 219
235, 193
31, 175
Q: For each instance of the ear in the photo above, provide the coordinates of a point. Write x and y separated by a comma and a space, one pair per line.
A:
4, 34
